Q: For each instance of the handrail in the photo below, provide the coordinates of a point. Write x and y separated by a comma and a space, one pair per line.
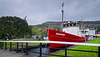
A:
4, 45
59, 42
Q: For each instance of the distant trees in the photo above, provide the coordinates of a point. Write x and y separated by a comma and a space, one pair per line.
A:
12, 27
36, 31
44, 32
42, 29
39, 31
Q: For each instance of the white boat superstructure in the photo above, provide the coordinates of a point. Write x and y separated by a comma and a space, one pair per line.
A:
73, 28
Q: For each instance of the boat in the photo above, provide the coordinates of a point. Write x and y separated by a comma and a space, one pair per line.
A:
70, 33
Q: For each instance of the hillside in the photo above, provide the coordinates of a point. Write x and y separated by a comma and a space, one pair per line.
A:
87, 24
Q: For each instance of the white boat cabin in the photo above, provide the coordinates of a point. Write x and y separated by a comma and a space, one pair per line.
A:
73, 28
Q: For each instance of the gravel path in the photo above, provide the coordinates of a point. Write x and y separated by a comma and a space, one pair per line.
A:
7, 53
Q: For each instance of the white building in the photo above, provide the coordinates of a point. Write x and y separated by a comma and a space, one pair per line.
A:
91, 31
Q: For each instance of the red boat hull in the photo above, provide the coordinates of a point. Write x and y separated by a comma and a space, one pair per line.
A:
54, 35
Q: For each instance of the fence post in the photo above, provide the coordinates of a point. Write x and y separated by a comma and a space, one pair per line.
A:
1, 45
10, 46
65, 50
17, 48
22, 46
98, 51
26, 53
40, 50
5, 45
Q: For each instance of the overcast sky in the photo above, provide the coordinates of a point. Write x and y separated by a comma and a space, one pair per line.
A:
39, 11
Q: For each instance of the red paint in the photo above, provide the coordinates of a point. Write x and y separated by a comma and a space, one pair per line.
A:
54, 35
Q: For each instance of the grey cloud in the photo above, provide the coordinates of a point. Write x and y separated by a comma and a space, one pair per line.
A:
39, 11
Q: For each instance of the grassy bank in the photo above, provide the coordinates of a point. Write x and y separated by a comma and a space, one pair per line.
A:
27, 39
81, 47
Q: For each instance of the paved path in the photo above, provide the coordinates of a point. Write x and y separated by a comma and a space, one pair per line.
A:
7, 53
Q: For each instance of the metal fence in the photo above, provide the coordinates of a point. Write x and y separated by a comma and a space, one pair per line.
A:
3, 45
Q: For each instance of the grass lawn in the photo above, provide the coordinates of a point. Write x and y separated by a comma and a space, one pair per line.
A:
81, 47
14, 45
29, 44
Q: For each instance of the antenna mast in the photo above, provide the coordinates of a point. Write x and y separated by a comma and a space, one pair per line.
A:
62, 15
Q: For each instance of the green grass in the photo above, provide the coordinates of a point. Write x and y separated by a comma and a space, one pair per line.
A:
14, 44
26, 39
29, 44
81, 47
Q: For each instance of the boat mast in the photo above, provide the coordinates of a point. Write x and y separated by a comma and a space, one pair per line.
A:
62, 15
81, 24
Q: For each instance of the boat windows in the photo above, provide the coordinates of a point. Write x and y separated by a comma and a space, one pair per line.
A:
67, 25
64, 25
74, 24
70, 24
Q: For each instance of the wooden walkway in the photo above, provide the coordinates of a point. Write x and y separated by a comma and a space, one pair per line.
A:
7, 53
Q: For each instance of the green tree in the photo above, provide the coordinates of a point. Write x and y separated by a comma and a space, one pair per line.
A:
44, 32
36, 31
29, 32
12, 27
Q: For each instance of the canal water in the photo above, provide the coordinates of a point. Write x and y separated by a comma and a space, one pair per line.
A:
46, 50
37, 50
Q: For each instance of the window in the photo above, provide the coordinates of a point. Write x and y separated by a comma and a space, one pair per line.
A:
67, 25
70, 24
74, 24
64, 25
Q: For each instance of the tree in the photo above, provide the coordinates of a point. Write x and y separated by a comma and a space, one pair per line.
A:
36, 31
12, 27
29, 32
43, 32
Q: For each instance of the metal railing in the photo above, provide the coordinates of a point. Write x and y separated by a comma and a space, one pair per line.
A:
4, 44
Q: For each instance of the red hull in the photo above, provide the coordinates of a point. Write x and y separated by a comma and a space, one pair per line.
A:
54, 35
